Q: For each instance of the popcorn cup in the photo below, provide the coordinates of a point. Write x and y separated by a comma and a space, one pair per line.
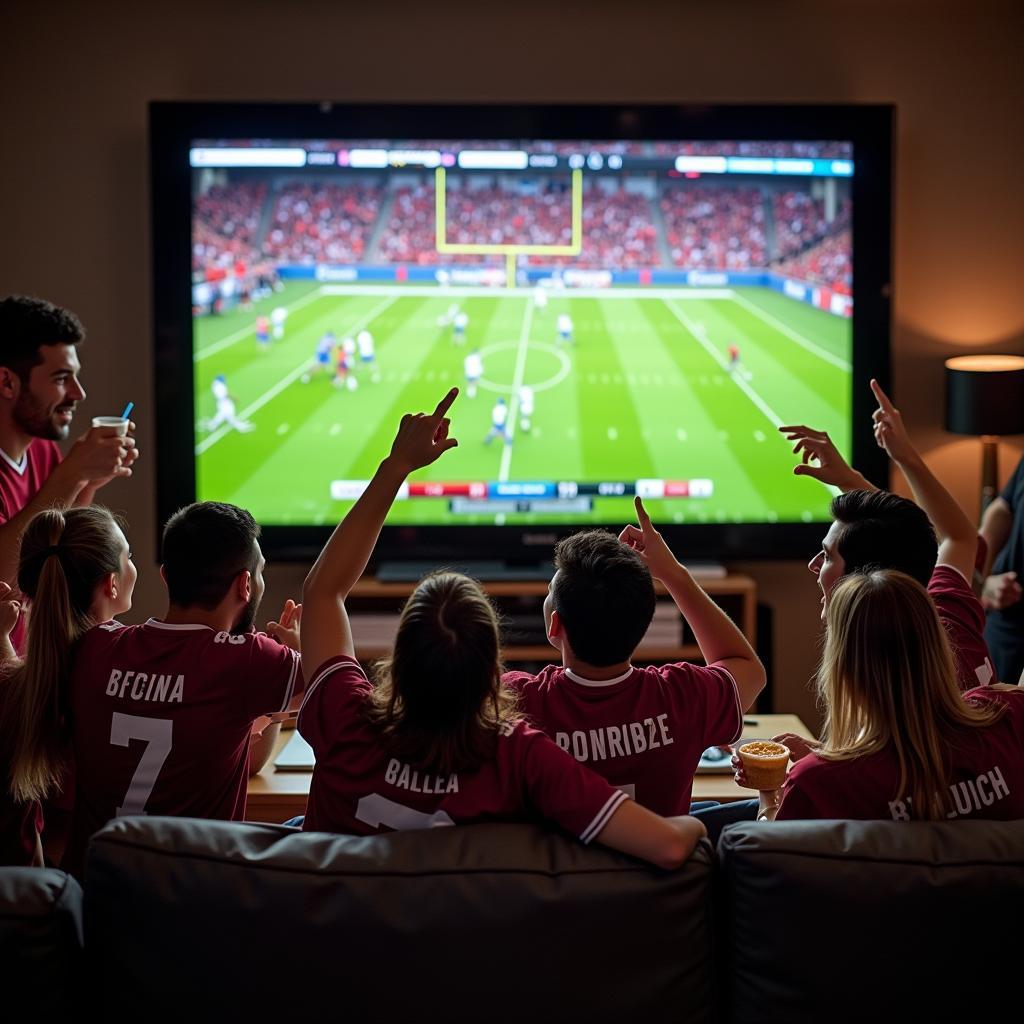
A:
764, 764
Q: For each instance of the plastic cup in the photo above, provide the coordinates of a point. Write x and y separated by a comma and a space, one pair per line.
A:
764, 764
115, 425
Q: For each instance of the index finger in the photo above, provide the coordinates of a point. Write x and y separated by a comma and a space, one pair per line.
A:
883, 398
446, 403
641, 513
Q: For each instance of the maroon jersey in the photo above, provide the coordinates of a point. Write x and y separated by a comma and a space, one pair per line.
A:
643, 731
20, 482
358, 787
20, 823
161, 716
963, 617
986, 773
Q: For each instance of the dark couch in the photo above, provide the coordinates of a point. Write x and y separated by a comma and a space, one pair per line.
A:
790, 921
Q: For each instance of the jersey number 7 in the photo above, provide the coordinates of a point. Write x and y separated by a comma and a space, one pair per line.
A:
157, 734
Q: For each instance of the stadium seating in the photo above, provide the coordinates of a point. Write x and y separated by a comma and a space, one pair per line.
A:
225, 220
322, 223
714, 228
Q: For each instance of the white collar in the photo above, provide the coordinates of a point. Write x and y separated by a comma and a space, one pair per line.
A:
598, 682
158, 624
18, 467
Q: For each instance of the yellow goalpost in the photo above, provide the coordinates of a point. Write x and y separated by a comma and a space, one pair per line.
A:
509, 250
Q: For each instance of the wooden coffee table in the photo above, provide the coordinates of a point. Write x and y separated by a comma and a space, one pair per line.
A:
277, 796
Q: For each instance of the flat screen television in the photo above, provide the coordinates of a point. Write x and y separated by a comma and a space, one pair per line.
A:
632, 299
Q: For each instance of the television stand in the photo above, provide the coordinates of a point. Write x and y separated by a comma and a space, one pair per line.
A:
481, 569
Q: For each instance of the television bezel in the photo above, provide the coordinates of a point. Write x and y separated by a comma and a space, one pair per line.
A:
174, 125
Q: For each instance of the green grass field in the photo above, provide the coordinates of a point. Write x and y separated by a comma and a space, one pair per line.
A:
644, 392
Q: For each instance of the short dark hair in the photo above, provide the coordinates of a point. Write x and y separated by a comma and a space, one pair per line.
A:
882, 530
205, 546
604, 595
26, 324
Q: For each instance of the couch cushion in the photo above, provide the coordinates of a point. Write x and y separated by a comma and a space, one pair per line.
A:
488, 922
844, 921
40, 939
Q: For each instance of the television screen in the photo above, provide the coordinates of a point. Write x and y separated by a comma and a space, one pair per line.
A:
628, 313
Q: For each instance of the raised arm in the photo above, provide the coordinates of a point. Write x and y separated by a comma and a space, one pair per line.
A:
828, 465
958, 539
719, 638
422, 438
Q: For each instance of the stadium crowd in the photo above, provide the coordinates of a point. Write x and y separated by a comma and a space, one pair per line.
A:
714, 228
322, 223
700, 226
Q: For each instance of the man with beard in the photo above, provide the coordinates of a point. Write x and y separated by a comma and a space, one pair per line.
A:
163, 713
39, 390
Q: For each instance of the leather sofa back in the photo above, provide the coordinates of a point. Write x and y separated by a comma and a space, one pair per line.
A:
483, 923
40, 942
852, 921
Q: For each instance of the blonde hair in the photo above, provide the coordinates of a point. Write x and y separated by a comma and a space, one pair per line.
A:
887, 679
64, 556
439, 701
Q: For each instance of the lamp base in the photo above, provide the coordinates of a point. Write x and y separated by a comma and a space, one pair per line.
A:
989, 470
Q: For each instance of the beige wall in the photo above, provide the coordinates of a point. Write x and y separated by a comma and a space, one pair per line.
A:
75, 79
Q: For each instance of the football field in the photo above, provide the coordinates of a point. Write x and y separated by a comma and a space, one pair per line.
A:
644, 391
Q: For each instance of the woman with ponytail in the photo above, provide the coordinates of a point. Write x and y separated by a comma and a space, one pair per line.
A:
75, 571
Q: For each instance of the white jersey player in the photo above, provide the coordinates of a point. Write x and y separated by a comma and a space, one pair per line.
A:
540, 298
368, 353
445, 319
525, 406
277, 318
473, 367
459, 324
564, 329
499, 418
226, 408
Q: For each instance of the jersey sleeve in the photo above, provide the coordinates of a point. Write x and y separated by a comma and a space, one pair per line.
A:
711, 700
516, 680
797, 803
963, 617
562, 790
274, 676
334, 694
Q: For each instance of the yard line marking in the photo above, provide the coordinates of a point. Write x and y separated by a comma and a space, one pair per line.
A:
744, 385
268, 396
803, 342
226, 342
517, 383
700, 337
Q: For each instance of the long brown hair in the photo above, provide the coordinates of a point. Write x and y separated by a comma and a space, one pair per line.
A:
439, 701
64, 556
888, 680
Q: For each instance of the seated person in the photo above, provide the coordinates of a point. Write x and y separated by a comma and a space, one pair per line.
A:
76, 570
876, 528
901, 741
437, 740
643, 729
162, 713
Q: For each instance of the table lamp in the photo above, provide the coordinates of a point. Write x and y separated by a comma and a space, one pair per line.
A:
985, 398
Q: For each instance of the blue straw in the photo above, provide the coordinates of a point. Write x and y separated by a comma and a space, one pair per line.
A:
127, 410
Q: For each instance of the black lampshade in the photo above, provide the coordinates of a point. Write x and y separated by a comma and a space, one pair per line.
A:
985, 395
